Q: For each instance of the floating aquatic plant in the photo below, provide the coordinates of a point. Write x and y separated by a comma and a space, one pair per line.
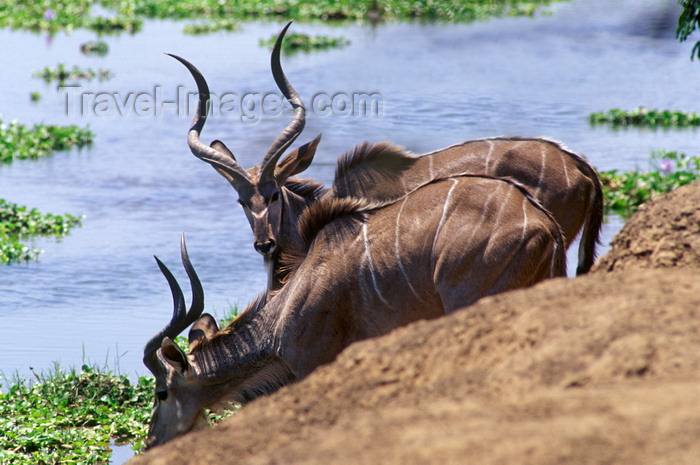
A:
625, 192
54, 15
72, 417
61, 73
94, 48
18, 223
20, 142
304, 42
644, 117
211, 26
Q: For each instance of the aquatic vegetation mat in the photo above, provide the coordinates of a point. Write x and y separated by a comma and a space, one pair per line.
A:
20, 142
54, 16
644, 117
61, 73
305, 43
625, 192
72, 417
18, 223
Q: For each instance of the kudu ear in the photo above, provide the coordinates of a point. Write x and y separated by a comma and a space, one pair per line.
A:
296, 161
204, 328
171, 354
221, 147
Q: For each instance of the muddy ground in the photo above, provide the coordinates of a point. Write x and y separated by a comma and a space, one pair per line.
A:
600, 369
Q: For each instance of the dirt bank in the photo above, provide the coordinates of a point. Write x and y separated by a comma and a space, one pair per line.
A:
603, 368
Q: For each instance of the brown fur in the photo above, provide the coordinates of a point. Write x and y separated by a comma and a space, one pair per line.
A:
367, 271
306, 188
368, 167
243, 318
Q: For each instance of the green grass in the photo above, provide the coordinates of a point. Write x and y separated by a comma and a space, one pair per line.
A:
644, 117
625, 192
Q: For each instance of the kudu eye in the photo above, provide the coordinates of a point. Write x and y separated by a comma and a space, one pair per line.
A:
162, 395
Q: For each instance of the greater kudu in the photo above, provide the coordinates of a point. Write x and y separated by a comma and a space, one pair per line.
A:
364, 270
271, 201
561, 180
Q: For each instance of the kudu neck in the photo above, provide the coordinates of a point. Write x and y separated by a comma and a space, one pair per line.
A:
238, 358
288, 237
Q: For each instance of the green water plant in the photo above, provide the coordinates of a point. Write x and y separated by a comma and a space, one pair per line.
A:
305, 10
18, 223
104, 25
61, 73
93, 47
303, 42
20, 142
644, 117
47, 15
72, 416
53, 16
626, 191
210, 26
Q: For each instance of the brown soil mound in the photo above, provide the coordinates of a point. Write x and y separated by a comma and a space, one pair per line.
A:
603, 368
663, 233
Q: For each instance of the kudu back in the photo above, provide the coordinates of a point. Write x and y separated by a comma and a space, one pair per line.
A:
365, 268
562, 181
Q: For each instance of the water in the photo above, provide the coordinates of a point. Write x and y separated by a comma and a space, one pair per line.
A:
97, 295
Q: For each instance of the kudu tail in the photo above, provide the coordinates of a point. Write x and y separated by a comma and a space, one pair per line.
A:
590, 236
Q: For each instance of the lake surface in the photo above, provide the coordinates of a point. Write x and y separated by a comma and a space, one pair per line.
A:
97, 295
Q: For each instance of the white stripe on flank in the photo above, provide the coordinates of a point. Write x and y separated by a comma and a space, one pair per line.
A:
504, 202
367, 256
430, 167
398, 254
566, 172
442, 219
488, 157
525, 203
541, 180
551, 263
481, 220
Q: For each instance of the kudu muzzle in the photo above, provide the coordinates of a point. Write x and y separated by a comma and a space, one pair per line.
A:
264, 238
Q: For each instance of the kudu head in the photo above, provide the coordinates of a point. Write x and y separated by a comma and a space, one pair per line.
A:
177, 408
261, 189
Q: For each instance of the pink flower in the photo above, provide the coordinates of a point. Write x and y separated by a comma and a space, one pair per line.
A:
666, 166
49, 15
